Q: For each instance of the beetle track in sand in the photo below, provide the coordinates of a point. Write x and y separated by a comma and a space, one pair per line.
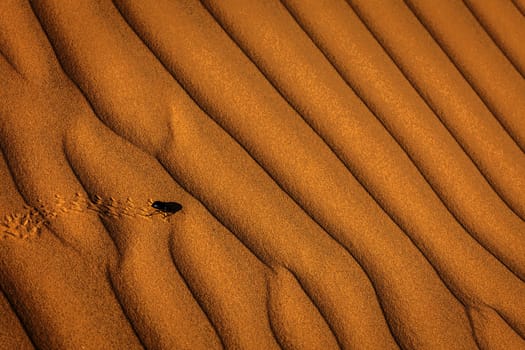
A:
29, 222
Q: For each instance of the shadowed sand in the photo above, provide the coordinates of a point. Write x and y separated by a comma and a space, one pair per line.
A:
352, 174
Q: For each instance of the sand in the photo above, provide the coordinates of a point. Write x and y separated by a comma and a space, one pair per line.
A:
352, 174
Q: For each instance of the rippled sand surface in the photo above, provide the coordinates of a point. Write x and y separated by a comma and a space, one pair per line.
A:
352, 174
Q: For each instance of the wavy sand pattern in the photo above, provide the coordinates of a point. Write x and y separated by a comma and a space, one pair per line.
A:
352, 174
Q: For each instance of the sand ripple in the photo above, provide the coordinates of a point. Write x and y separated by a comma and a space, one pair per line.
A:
352, 174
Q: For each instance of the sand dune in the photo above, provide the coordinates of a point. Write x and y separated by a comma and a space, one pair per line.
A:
352, 174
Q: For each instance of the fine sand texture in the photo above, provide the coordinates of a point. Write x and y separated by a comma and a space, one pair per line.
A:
352, 174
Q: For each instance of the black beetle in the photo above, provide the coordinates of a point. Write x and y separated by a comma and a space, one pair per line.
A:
167, 207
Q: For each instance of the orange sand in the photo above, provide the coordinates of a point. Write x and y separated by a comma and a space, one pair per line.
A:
352, 174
